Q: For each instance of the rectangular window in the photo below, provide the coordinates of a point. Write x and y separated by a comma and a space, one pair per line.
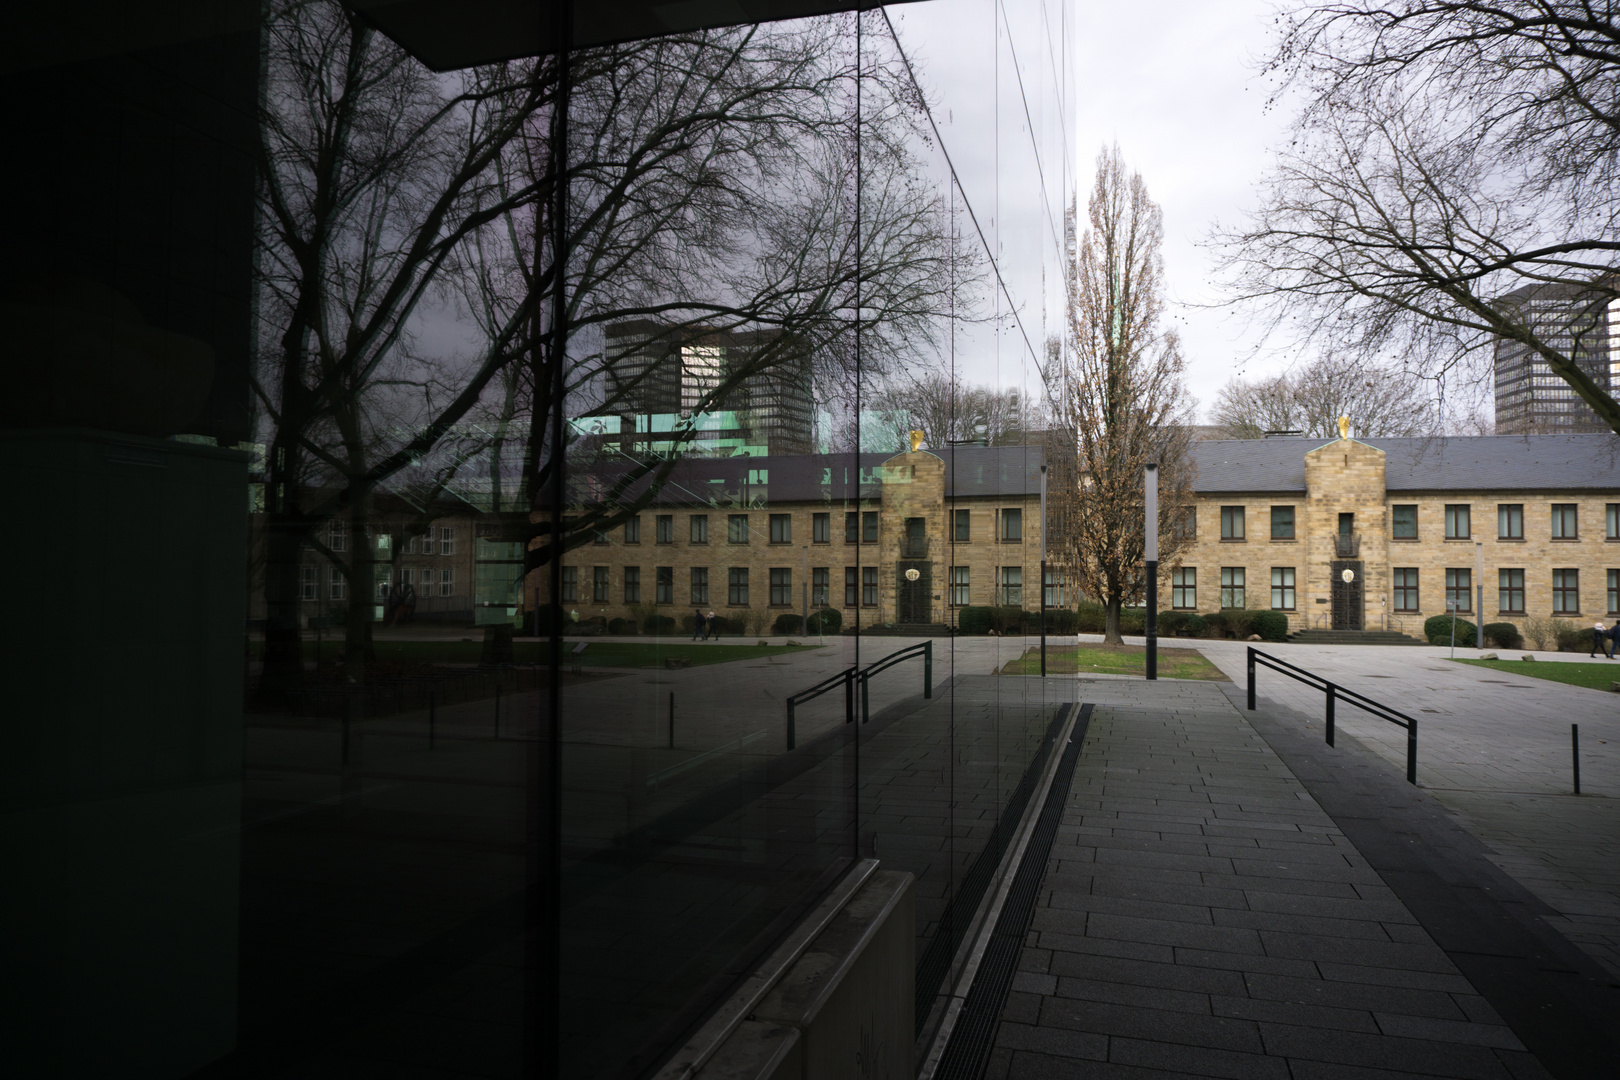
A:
1510, 521
1011, 586
407, 576
1186, 526
852, 527
410, 545
1282, 522
337, 536
1053, 588
427, 542
699, 527
1012, 525
1232, 587
632, 584
781, 528
1403, 522
700, 584
869, 586
1563, 521
962, 520
335, 584
869, 527
1457, 524
599, 584
664, 585
820, 587
447, 581
1404, 582
427, 582
1566, 592
665, 526
309, 582
737, 528
382, 585
1232, 523
1510, 590
1459, 590
851, 587
1184, 589
570, 584
960, 592
781, 586
737, 586
632, 530
1614, 592
1282, 588
599, 536
447, 540
1611, 521
821, 528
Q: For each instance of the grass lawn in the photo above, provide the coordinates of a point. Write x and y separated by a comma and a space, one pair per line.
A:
632, 654
1114, 660
1597, 675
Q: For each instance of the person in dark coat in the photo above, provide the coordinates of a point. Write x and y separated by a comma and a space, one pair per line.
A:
1600, 636
710, 627
700, 626
407, 604
1614, 637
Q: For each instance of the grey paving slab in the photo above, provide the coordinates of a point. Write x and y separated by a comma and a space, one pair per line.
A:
1179, 949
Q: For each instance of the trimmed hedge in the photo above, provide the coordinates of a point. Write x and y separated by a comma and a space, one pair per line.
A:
826, 621
1574, 640
973, 620
621, 627
1231, 623
788, 623
1270, 625
1195, 626
1171, 622
659, 624
1503, 635
1437, 629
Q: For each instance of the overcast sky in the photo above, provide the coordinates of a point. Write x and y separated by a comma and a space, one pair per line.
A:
1175, 84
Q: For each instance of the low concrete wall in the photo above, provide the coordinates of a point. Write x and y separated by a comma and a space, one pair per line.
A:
844, 1008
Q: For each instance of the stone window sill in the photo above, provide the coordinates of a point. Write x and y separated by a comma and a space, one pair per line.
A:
1403, 539
1510, 539
1234, 540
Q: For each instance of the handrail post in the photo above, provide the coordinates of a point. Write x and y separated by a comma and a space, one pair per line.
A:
866, 699
849, 695
1251, 678
432, 716
790, 724
1330, 699
928, 668
1411, 750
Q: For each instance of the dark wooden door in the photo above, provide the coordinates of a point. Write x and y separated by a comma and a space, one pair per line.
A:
914, 597
1347, 596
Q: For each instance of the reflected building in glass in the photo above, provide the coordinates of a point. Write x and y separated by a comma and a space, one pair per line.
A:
397, 381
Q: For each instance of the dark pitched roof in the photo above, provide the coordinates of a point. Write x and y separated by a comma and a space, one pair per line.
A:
992, 470
1454, 463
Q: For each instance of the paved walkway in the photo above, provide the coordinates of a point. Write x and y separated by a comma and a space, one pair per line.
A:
1203, 915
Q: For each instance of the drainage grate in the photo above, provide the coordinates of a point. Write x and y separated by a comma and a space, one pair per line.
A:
968, 1051
958, 914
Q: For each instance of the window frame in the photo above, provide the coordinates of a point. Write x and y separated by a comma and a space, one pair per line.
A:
852, 587
1464, 590
632, 585
737, 586
869, 586
781, 526
869, 526
570, 584
737, 527
1284, 595
1566, 590
1010, 585
960, 586
601, 585
698, 585
820, 587
1406, 594
781, 586
1291, 523
309, 582
447, 540
1010, 525
1396, 512
1566, 521
632, 529
852, 526
337, 585
1234, 585
1611, 521
1054, 578
1612, 583
1509, 515
427, 539
447, 581
697, 529
663, 584
1233, 528
664, 529
1510, 586
961, 526
1184, 588
821, 528
1463, 513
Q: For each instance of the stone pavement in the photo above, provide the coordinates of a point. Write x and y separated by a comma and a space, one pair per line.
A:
1203, 915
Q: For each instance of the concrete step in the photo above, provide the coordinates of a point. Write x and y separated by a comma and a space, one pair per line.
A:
1353, 637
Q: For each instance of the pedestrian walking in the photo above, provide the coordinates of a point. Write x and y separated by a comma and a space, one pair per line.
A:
1600, 634
1614, 637
711, 627
700, 625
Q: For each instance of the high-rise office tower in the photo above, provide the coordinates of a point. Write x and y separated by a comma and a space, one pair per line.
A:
1578, 322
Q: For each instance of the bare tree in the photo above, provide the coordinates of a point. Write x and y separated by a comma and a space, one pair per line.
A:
947, 410
1453, 159
1378, 401
1126, 403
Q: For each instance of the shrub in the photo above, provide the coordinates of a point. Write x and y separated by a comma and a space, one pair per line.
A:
1503, 635
1232, 623
1171, 622
973, 620
621, 626
1572, 638
1090, 618
722, 625
1437, 629
1195, 626
1008, 619
1270, 625
788, 623
826, 621
1539, 630
659, 624
1060, 621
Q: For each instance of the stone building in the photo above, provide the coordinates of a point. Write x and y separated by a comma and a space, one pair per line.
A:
1382, 533
755, 538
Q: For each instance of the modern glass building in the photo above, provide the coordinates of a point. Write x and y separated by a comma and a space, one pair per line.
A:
310, 769
1532, 398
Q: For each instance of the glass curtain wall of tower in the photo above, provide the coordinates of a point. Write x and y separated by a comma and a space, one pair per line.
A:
501, 410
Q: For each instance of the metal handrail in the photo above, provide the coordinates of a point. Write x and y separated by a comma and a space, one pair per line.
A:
1335, 692
850, 677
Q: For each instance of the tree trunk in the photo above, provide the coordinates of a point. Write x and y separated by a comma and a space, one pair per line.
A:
358, 650
1111, 634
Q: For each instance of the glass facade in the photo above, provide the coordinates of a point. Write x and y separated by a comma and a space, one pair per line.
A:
410, 773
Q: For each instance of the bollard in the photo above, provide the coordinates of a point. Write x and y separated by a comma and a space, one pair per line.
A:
1331, 698
1251, 678
433, 709
497, 705
1411, 751
1575, 753
790, 725
866, 701
928, 667
672, 719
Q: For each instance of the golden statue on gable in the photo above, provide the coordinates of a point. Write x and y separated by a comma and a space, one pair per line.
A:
1344, 427
916, 441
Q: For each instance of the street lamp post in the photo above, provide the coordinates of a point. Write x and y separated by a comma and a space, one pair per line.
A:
1043, 571
1479, 594
1151, 484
